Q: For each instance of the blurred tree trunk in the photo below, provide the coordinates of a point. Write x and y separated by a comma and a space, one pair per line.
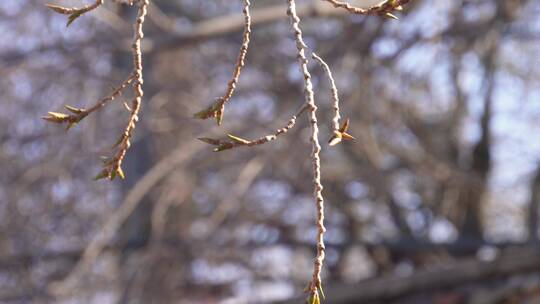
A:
474, 188
532, 221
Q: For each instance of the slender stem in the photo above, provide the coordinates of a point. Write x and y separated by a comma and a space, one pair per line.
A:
240, 62
384, 7
241, 142
79, 114
301, 47
116, 93
137, 86
78, 10
278, 132
335, 94
215, 110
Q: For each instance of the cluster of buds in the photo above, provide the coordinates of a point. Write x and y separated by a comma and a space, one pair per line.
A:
222, 145
70, 119
314, 297
110, 169
386, 8
112, 166
213, 111
340, 134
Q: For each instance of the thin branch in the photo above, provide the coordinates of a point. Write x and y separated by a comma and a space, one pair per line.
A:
235, 141
339, 132
114, 166
75, 12
335, 96
72, 10
216, 110
462, 272
79, 114
315, 286
384, 9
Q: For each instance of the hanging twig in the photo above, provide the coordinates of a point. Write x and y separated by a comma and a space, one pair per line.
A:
339, 133
315, 287
112, 166
216, 109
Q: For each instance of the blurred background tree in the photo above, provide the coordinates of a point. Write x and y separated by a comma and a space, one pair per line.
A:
435, 202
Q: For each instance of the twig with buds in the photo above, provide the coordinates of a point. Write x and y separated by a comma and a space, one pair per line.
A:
75, 12
383, 9
216, 109
112, 166
339, 133
315, 287
235, 141
78, 114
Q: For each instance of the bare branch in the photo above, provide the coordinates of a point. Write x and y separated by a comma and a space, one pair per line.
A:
75, 12
112, 166
385, 8
315, 286
339, 133
216, 110
235, 141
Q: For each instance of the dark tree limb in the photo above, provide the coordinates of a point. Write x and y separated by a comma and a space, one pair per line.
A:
467, 271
